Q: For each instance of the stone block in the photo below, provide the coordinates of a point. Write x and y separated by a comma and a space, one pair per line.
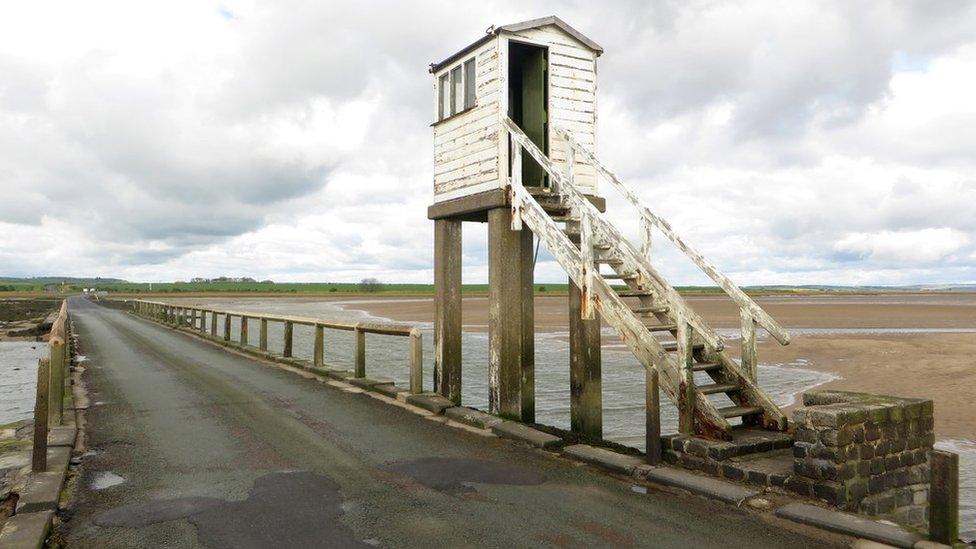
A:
518, 431
470, 416
26, 530
848, 524
431, 402
604, 458
701, 485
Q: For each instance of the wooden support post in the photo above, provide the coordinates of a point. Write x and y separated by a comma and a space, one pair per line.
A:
511, 335
289, 329
263, 336
360, 353
749, 356
416, 361
244, 338
213, 324
56, 387
944, 497
203, 321
226, 327
652, 426
39, 457
318, 353
447, 308
686, 388
585, 367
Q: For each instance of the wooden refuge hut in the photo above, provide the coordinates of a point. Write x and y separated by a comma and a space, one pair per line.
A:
514, 128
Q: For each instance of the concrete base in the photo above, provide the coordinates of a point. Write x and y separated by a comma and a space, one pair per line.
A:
845, 523
26, 530
370, 382
602, 457
696, 484
390, 390
41, 493
431, 402
518, 431
62, 436
470, 416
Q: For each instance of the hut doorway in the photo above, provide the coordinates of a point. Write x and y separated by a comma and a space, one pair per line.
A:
528, 103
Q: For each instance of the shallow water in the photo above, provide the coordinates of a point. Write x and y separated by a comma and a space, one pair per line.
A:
18, 378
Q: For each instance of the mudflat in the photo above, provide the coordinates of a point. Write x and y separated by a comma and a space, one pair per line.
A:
919, 345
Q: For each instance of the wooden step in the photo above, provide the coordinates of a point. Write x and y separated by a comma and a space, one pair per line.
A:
739, 411
718, 388
564, 218
619, 276
634, 293
607, 261
651, 309
661, 327
706, 367
673, 346
603, 247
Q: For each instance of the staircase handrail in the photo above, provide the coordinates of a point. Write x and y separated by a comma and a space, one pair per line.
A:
744, 302
647, 271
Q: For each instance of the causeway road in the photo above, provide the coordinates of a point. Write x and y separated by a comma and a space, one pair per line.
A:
189, 445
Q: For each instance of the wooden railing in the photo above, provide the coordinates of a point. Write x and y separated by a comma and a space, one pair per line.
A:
195, 318
52, 381
751, 314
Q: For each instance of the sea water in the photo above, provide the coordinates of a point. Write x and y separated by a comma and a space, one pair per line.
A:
18, 378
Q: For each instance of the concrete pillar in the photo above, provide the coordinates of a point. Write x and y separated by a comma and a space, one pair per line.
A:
585, 368
944, 497
447, 308
511, 334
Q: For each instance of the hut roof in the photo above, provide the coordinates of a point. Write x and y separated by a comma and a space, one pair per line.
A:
516, 27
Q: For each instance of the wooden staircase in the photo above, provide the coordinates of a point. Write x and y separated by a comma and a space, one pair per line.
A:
652, 319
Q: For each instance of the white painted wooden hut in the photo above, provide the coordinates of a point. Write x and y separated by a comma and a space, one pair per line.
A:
535, 72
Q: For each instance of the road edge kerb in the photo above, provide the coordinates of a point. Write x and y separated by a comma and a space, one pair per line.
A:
33, 518
433, 404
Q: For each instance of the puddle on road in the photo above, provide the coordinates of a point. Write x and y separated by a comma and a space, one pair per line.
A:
457, 475
105, 479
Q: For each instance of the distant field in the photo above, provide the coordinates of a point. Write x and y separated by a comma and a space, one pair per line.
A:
323, 288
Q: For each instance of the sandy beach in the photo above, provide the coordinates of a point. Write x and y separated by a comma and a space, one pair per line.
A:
913, 345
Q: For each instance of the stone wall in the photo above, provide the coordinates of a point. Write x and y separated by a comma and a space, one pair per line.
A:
864, 453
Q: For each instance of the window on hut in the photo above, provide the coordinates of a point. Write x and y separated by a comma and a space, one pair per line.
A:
456, 90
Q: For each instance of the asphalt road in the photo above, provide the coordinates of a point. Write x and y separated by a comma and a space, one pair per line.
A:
190, 445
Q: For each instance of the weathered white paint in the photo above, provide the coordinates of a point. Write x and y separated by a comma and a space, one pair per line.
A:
471, 149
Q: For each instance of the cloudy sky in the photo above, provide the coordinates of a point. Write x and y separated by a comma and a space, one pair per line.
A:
792, 142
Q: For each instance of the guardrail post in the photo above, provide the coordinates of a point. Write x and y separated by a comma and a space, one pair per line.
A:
56, 387
244, 334
226, 327
289, 328
652, 427
203, 321
39, 457
944, 497
317, 353
360, 353
263, 335
686, 388
749, 355
416, 361
213, 323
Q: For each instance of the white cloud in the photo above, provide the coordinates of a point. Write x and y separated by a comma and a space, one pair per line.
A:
809, 143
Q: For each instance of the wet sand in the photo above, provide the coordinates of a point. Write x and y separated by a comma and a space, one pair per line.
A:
912, 345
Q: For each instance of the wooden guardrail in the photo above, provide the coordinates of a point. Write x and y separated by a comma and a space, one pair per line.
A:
196, 318
52, 380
